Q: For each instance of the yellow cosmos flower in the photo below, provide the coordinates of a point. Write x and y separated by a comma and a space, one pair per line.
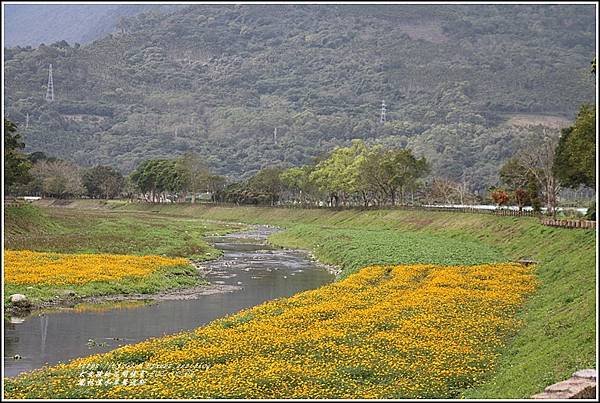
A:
418, 331
28, 267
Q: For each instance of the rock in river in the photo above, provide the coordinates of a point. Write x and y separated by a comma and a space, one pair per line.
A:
20, 301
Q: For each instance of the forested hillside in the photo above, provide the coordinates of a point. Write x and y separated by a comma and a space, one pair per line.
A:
218, 80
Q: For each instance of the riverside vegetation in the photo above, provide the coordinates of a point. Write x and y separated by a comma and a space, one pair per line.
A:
556, 336
269, 92
386, 332
105, 253
44, 276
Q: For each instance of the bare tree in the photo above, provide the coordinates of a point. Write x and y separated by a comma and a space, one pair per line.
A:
461, 189
111, 186
538, 160
450, 191
195, 172
58, 178
442, 189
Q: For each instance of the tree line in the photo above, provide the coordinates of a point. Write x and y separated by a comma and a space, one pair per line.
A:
357, 175
349, 176
156, 180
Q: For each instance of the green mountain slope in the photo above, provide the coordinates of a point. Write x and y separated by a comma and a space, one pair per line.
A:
219, 79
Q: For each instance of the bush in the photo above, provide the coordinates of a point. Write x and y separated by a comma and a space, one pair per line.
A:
591, 212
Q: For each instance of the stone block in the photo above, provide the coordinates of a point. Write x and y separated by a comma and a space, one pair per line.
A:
586, 374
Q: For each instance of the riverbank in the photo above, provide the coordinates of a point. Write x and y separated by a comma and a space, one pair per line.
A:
420, 331
559, 331
74, 236
248, 273
43, 280
104, 230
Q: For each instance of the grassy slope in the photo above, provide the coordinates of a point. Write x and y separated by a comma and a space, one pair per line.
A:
354, 248
558, 336
100, 231
96, 231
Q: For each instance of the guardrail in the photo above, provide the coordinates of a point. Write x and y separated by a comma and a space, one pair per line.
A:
473, 210
566, 223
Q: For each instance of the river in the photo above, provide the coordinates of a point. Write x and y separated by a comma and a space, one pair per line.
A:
253, 270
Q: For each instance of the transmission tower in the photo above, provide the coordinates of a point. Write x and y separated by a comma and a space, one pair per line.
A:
50, 89
382, 118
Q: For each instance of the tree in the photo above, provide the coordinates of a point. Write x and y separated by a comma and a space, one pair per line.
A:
462, 191
130, 188
521, 197
267, 182
575, 155
194, 172
339, 174
389, 171
58, 178
154, 178
537, 158
533, 192
500, 197
449, 192
575, 160
295, 181
214, 185
103, 181
16, 164
513, 174
143, 180
441, 190
520, 182
159, 178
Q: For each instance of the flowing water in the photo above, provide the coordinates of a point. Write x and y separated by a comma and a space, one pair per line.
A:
252, 270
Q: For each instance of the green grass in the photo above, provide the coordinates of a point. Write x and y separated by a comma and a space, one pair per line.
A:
558, 333
353, 249
69, 230
26, 219
559, 321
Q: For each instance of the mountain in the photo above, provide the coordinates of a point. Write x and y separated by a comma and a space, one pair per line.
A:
219, 79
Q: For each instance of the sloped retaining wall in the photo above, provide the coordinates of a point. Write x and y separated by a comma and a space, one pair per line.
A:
582, 385
569, 223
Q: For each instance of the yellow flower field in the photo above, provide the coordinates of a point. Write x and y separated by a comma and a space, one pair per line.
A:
28, 267
419, 331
